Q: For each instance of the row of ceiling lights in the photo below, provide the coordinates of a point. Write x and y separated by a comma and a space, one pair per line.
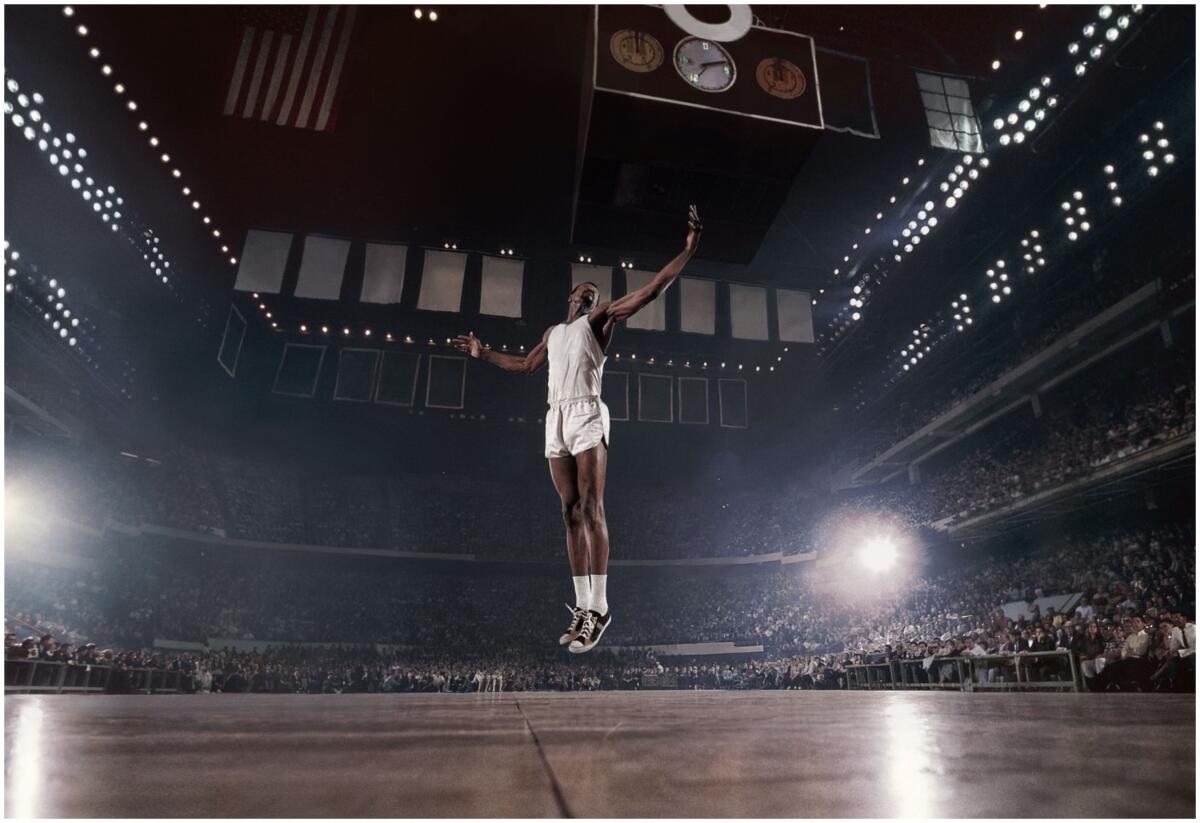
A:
368, 333
144, 127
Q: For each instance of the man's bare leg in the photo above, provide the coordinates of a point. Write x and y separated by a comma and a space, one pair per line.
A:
591, 469
563, 473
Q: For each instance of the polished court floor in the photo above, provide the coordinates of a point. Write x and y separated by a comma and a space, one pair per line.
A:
614, 754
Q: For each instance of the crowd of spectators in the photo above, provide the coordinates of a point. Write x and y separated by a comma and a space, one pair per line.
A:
403, 629
1070, 442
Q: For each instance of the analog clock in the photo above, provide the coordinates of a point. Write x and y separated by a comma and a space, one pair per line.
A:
636, 50
704, 64
781, 78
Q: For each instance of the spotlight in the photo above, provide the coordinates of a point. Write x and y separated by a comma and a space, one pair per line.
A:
1018, 34
417, 13
433, 16
995, 65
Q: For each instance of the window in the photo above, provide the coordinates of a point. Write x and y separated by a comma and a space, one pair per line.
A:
948, 109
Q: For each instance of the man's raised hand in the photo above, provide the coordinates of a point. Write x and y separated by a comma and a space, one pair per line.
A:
694, 228
469, 343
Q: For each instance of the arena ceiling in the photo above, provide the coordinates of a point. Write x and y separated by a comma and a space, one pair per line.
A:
468, 129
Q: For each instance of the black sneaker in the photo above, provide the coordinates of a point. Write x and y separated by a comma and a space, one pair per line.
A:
577, 617
594, 625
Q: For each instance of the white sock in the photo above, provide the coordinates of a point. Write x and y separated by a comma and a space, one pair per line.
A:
599, 594
583, 591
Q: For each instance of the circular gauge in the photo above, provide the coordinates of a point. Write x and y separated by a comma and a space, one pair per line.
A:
781, 78
636, 50
704, 64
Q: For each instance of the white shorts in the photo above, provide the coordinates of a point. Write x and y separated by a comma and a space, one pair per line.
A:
574, 426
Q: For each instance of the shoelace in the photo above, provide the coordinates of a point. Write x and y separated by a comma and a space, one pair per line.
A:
580, 616
589, 626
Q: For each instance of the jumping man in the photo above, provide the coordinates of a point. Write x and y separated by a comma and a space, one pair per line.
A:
577, 428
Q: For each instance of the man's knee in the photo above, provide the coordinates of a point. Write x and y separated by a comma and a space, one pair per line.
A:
591, 511
572, 512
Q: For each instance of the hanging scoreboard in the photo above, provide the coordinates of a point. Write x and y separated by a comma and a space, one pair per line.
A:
765, 73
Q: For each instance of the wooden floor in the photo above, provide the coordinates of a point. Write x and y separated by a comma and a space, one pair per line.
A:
613, 754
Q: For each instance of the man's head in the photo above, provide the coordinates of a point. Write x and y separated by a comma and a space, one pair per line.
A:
584, 297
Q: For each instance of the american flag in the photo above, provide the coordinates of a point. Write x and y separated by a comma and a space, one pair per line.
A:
289, 66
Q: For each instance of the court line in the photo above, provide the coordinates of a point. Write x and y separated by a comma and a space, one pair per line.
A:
559, 797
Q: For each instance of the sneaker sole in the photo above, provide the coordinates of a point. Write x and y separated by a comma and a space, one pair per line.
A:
582, 649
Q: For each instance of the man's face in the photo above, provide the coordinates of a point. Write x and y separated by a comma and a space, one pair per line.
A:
586, 295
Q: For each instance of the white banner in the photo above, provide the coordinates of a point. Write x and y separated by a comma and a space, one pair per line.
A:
442, 281
794, 312
500, 292
748, 312
383, 273
698, 301
264, 257
653, 316
322, 267
600, 275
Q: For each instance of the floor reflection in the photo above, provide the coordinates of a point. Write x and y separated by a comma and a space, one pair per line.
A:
911, 759
25, 767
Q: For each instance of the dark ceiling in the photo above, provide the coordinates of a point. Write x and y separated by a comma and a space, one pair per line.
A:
468, 128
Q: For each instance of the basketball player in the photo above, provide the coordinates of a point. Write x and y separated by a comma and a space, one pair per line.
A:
577, 428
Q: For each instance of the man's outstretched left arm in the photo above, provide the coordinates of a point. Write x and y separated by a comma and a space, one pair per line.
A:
625, 307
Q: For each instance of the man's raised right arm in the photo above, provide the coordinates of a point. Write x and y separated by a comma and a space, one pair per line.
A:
524, 364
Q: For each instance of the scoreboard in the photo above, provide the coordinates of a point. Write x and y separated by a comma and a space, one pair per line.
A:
766, 74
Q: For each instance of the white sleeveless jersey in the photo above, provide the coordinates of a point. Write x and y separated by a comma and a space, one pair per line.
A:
576, 361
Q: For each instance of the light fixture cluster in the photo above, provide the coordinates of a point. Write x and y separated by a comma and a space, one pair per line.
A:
1033, 251
155, 144
430, 14
507, 252
917, 347
999, 281
627, 264
1155, 149
1030, 113
1075, 215
46, 297
452, 245
583, 258
962, 313
1107, 28
153, 255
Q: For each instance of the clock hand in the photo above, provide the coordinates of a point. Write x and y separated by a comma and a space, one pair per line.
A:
713, 63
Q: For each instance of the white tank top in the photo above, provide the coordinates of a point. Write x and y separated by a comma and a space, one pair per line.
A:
576, 361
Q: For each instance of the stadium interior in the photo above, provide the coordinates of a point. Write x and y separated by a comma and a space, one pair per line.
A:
919, 416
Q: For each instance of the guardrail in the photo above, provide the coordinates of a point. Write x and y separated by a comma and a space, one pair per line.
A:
49, 677
1057, 670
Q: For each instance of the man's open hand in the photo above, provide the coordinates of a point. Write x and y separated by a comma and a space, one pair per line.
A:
469, 343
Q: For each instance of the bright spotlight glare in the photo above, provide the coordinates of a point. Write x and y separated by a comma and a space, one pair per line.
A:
878, 554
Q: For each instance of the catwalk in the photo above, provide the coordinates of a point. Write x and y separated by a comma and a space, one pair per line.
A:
619, 754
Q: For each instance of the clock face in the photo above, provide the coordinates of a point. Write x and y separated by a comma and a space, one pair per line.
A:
781, 78
636, 50
704, 65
